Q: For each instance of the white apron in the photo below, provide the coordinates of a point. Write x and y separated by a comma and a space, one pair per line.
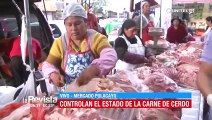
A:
137, 48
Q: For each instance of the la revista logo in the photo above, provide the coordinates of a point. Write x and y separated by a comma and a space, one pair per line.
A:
49, 101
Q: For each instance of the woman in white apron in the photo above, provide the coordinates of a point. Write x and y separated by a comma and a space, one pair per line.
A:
80, 54
208, 30
147, 21
129, 47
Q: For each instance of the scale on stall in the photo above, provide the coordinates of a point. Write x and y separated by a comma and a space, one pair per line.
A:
156, 33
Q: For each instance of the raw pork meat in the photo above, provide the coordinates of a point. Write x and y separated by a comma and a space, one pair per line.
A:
157, 114
198, 45
158, 82
9, 108
23, 111
72, 114
19, 113
169, 72
143, 72
189, 60
187, 68
38, 113
120, 77
168, 60
188, 75
118, 113
95, 85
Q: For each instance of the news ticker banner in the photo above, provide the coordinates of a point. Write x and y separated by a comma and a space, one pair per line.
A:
137, 103
124, 100
122, 95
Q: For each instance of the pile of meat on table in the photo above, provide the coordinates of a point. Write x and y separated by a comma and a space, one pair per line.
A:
117, 83
114, 84
23, 111
176, 67
173, 68
180, 64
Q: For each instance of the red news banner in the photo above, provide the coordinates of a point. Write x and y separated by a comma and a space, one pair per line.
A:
97, 103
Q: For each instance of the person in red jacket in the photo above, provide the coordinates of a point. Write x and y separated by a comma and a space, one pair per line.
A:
93, 23
176, 33
13, 50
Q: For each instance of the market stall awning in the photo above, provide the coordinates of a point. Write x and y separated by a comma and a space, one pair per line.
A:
191, 1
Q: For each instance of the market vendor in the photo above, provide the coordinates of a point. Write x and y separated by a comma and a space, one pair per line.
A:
93, 23
176, 33
208, 29
11, 47
129, 47
147, 21
80, 54
204, 81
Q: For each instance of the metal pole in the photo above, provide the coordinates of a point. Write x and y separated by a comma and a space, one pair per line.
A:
160, 12
29, 38
141, 21
44, 5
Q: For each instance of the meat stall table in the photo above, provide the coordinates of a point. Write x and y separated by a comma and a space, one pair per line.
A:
196, 112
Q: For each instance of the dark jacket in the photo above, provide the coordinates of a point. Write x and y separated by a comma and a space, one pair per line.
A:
121, 49
177, 35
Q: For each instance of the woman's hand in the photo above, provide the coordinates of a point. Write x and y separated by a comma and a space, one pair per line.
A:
57, 79
87, 74
152, 58
145, 60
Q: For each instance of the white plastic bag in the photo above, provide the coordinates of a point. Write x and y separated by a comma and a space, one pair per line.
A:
24, 42
27, 90
121, 65
6, 89
51, 88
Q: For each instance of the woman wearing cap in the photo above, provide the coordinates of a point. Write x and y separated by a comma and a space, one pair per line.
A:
176, 33
80, 53
129, 47
147, 21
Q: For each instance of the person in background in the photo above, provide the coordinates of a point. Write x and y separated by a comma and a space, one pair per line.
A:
93, 23
13, 50
176, 33
208, 29
189, 37
129, 47
135, 16
80, 54
147, 21
189, 30
204, 81
5, 67
101, 29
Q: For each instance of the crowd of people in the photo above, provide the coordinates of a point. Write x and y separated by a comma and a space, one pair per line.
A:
82, 53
